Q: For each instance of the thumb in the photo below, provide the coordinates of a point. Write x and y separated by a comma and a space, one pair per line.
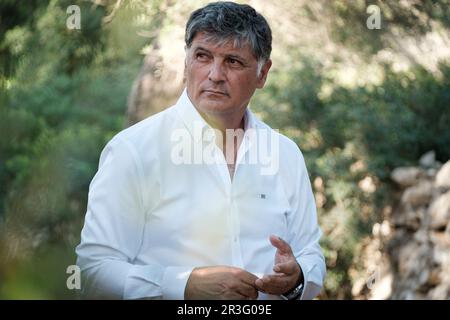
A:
280, 244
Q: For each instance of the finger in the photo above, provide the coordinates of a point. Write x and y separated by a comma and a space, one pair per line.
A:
280, 244
248, 278
271, 289
266, 284
274, 284
249, 291
276, 281
261, 286
287, 268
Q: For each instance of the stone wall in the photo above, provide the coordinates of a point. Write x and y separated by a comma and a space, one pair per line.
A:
408, 255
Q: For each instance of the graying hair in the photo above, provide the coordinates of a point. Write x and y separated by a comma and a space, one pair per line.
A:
225, 21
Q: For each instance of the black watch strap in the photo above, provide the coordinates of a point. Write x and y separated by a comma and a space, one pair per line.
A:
294, 293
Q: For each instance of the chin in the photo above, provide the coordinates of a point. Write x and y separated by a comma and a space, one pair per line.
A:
215, 107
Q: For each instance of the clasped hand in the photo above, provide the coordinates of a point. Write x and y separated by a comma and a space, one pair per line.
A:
225, 282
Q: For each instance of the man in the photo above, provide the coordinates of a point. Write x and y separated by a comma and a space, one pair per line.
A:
178, 209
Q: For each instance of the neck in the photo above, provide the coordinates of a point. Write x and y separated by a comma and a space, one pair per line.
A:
224, 122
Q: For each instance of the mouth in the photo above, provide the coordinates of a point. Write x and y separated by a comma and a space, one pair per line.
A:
216, 92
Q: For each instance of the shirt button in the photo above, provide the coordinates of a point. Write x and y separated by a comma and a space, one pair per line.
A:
235, 239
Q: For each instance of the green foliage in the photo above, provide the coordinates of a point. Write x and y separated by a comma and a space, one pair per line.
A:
63, 95
40, 276
382, 126
413, 18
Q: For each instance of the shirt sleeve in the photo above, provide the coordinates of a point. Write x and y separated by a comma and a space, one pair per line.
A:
304, 234
113, 233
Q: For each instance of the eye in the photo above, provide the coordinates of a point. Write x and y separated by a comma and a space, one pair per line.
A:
201, 56
234, 61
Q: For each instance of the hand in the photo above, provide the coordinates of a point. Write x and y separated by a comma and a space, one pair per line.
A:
221, 282
288, 274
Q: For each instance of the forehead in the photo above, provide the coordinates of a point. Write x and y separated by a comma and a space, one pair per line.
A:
222, 46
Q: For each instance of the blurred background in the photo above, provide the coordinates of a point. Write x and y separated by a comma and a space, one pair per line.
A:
368, 104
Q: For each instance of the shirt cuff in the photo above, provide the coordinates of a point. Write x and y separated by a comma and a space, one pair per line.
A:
310, 288
305, 279
174, 282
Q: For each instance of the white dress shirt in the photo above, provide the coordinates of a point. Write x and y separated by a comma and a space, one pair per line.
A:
150, 219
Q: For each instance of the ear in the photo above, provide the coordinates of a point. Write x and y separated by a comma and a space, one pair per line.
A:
262, 77
186, 51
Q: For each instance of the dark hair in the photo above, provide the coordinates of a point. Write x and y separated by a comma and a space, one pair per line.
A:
224, 21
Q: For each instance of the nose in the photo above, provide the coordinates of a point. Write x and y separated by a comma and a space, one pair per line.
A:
216, 73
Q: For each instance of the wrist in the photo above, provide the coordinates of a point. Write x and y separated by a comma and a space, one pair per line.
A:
300, 275
297, 289
190, 290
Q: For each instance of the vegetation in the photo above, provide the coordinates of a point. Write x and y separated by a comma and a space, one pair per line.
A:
63, 95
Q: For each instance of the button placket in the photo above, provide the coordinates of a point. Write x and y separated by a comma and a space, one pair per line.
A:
236, 244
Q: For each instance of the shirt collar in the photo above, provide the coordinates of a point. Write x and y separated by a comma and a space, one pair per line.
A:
194, 121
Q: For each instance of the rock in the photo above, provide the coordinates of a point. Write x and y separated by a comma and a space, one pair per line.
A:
440, 211
408, 257
358, 287
431, 173
358, 166
441, 252
367, 185
413, 260
424, 276
382, 289
434, 278
410, 249
385, 228
428, 160
407, 295
441, 292
419, 194
410, 219
443, 176
381, 230
321, 200
422, 236
406, 176
319, 184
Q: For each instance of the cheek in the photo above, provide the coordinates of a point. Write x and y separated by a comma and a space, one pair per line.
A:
244, 84
197, 72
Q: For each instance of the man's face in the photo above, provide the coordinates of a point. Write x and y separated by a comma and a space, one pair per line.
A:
222, 79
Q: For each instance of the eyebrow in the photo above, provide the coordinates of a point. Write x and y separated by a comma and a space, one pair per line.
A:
233, 56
